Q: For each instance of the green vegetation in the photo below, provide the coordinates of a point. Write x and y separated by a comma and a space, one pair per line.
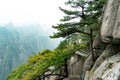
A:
38, 64
81, 19
84, 27
18, 43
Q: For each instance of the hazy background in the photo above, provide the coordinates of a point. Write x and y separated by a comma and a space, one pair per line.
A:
30, 11
25, 26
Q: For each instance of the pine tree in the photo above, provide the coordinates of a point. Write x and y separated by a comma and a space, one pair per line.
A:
86, 14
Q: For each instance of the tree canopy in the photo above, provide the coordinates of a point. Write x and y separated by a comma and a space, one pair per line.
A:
83, 17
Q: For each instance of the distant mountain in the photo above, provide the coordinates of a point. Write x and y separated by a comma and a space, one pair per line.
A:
18, 43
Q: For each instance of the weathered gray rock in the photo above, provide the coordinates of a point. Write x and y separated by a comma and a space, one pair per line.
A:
88, 64
116, 31
113, 73
75, 65
107, 65
108, 70
74, 78
86, 76
97, 43
109, 51
66, 79
109, 18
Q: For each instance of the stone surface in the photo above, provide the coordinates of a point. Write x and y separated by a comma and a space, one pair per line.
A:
108, 21
107, 62
74, 78
116, 31
97, 43
108, 70
88, 64
109, 51
66, 79
113, 73
75, 65
107, 65
86, 76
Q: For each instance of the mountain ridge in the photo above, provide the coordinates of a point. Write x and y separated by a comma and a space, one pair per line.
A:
18, 43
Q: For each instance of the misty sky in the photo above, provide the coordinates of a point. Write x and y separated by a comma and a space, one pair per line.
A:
30, 11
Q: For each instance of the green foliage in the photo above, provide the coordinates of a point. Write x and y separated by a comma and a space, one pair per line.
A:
62, 45
17, 43
85, 12
39, 63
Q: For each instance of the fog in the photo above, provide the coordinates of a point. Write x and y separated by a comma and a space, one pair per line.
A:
21, 12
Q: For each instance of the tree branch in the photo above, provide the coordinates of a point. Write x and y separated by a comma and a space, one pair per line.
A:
84, 32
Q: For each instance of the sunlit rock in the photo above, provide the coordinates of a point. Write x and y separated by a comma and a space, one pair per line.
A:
108, 70
116, 31
108, 21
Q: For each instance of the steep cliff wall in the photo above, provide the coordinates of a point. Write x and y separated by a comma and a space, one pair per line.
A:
106, 65
106, 50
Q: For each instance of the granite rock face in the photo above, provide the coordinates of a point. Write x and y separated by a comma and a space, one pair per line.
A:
106, 46
116, 30
107, 65
110, 23
109, 69
75, 65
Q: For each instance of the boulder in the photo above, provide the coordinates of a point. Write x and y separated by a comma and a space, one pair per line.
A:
108, 70
75, 65
108, 22
116, 30
109, 51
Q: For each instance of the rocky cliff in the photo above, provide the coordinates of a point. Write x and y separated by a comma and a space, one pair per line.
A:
106, 64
